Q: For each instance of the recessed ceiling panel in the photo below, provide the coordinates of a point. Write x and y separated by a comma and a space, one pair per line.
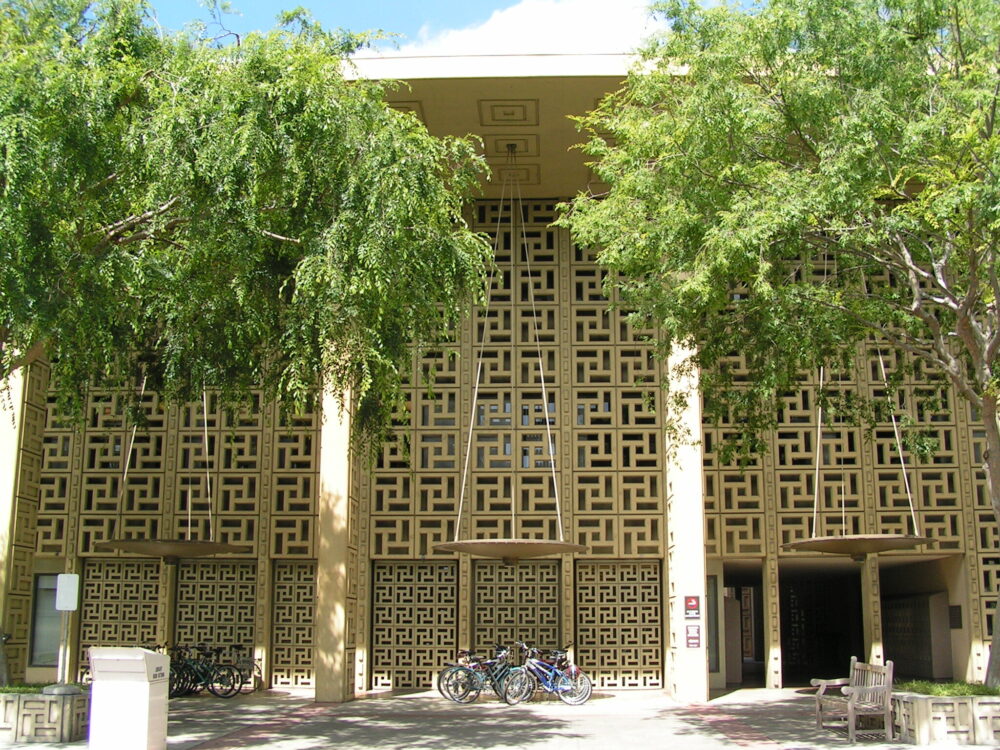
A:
507, 112
413, 106
522, 174
499, 145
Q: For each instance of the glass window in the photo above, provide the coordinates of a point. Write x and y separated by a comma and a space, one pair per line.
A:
45, 624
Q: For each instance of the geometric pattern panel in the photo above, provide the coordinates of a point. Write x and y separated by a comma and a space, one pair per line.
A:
619, 623
118, 605
216, 603
246, 477
293, 612
516, 603
906, 631
33, 718
855, 481
599, 413
414, 615
58, 447
859, 483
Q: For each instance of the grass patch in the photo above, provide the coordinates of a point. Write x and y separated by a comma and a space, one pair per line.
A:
926, 687
29, 688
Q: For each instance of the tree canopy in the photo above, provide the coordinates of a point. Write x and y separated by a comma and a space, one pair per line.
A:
237, 216
789, 182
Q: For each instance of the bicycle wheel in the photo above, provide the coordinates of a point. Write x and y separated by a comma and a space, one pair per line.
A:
519, 686
195, 678
225, 681
579, 690
178, 682
443, 676
251, 678
246, 678
462, 685
184, 678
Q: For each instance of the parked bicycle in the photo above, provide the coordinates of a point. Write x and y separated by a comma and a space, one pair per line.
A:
251, 675
192, 674
463, 682
466, 658
554, 673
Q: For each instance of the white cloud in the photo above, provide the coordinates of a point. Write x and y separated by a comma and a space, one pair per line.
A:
544, 27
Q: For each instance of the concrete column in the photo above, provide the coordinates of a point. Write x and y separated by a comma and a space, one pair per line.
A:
687, 665
360, 481
166, 620
963, 650
334, 672
871, 610
10, 446
772, 623
466, 594
21, 448
567, 573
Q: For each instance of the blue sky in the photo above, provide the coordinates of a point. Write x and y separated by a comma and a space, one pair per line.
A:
400, 16
448, 27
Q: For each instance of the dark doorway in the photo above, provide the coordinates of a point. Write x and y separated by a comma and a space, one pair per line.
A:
821, 624
743, 585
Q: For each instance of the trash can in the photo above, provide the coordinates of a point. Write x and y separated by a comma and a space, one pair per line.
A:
128, 699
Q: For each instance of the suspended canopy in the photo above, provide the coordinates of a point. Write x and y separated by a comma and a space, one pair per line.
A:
858, 546
511, 550
173, 549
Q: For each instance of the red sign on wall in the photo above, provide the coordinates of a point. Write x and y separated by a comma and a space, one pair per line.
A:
692, 607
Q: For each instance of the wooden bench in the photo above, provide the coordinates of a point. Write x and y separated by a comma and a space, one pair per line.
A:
866, 691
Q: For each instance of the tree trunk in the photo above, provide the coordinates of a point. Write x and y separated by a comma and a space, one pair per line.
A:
33, 354
991, 465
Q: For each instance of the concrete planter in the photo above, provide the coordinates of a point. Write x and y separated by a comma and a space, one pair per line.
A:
958, 720
34, 717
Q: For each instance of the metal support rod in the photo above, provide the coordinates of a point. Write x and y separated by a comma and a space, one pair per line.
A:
62, 671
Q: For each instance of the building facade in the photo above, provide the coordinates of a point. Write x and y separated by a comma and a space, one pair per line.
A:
685, 583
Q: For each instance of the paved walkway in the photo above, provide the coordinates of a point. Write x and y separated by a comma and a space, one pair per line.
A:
278, 720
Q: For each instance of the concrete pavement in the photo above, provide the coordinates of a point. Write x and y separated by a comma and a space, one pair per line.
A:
289, 720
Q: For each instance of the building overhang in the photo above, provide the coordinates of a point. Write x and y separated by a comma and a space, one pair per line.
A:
524, 100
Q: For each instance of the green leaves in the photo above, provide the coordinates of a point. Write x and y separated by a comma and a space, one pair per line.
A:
790, 182
235, 217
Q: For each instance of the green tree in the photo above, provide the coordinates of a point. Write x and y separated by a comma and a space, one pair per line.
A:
237, 216
791, 182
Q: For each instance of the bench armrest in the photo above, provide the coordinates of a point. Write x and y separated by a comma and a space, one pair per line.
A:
824, 684
829, 683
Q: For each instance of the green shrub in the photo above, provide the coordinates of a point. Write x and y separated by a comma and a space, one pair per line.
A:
30, 688
926, 687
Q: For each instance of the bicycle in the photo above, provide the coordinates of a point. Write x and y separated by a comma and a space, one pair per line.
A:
251, 675
463, 683
466, 658
192, 675
555, 674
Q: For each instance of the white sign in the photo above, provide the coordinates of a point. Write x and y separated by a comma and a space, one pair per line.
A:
67, 591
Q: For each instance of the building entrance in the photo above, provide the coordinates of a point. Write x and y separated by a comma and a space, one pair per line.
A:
821, 622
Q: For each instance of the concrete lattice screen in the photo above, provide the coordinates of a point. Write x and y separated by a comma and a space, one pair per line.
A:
604, 405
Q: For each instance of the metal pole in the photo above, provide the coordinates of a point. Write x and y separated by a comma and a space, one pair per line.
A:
63, 648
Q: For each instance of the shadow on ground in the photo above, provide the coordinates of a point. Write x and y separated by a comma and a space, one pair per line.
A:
765, 719
783, 720
419, 721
